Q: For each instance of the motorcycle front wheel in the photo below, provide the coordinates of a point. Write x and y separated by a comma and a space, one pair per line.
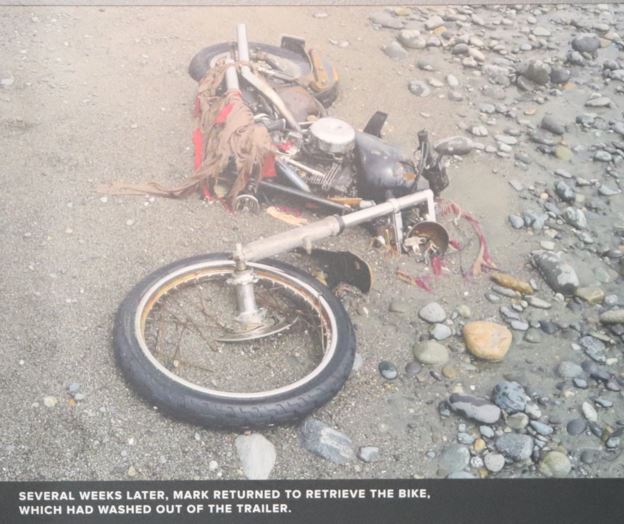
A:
180, 346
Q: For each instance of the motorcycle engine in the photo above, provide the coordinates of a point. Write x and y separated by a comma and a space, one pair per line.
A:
326, 156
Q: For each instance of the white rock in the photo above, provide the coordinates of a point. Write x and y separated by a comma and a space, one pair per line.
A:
257, 455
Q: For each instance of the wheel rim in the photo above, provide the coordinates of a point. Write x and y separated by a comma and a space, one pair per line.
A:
180, 339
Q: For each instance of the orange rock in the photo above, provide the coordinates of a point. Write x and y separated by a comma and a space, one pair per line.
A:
487, 340
505, 280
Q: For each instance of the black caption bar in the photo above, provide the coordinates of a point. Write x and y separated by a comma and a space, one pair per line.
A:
327, 502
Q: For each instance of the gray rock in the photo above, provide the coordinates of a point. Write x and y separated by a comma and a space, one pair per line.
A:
568, 369
575, 58
601, 101
590, 413
460, 49
515, 446
411, 39
487, 431
440, 332
580, 383
257, 456
412, 368
387, 370
432, 313
576, 427
452, 81
369, 454
455, 145
394, 50
518, 421
465, 438
558, 274
454, 458
586, 43
588, 456
551, 124
608, 191
475, 408
555, 464
516, 221
602, 156
328, 443
431, 352
613, 316
537, 302
434, 22
559, 75
509, 396
386, 19
541, 31
564, 191
419, 88
575, 217
494, 462
536, 71
541, 428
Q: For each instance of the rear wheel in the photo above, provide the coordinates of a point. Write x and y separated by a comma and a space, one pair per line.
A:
179, 344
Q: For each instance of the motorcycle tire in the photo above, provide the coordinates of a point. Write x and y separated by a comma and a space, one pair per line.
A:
200, 64
212, 403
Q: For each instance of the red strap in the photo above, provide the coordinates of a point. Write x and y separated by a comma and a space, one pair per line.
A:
197, 147
223, 114
269, 166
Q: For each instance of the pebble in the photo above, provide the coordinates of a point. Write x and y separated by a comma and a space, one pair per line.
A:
555, 464
387, 370
394, 50
465, 438
613, 316
564, 191
536, 71
515, 446
419, 88
257, 455
433, 313
551, 124
440, 332
475, 408
588, 456
411, 39
452, 81
454, 458
590, 413
541, 428
580, 383
487, 340
592, 295
568, 369
487, 431
586, 43
434, 22
532, 336
412, 369
328, 443
518, 421
509, 396
576, 427
50, 401
369, 454
575, 217
431, 352
132, 471
602, 156
558, 274
538, 303
516, 221
455, 145
494, 462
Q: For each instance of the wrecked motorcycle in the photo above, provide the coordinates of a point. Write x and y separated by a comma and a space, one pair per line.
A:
240, 340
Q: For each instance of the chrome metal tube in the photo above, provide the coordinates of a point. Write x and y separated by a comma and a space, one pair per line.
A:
329, 226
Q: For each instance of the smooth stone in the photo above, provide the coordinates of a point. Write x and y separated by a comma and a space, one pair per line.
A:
602, 156
257, 456
475, 408
575, 217
568, 369
541, 428
452, 81
394, 50
432, 313
586, 43
328, 443
387, 370
613, 316
588, 456
536, 71
487, 431
412, 369
538, 303
551, 124
559, 75
455, 145
564, 191
487, 340
419, 88
369, 454
592, 295
576, 427
516, 221
558, 274
590, 413
411, 39
518, 421
465, 438
580, 383
515, 446
494, 462
454, 458
509, 396
440, 332
431, 352
555, 464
